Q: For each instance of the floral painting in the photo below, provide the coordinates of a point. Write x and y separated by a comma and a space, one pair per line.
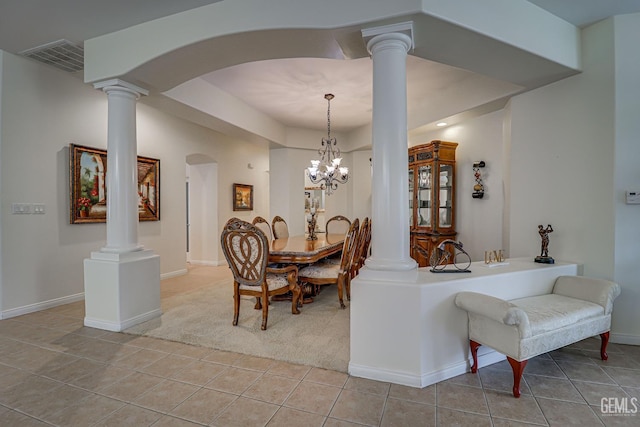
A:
88, 179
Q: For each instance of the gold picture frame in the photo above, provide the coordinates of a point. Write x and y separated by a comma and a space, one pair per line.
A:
242, 197
88, 186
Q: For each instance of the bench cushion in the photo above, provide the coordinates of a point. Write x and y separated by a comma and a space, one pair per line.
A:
552, 312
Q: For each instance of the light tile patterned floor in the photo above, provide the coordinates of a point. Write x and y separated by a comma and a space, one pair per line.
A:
54, 371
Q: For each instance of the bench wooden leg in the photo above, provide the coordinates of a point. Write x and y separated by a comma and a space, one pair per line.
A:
518, 369
474, 353
603, 346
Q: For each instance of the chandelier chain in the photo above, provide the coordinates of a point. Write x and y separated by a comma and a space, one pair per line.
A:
329, 119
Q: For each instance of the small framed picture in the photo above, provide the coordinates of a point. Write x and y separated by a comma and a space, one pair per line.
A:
242, 197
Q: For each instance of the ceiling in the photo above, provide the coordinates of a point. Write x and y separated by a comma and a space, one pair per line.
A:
290, 91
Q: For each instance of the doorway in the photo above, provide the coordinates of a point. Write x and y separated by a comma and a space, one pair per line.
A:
202, 210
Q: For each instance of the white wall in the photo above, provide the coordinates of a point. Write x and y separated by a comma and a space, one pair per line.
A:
562, 151
1, 205
574, 152
172, 139
43, 111
626, 317
478, 221
360, 198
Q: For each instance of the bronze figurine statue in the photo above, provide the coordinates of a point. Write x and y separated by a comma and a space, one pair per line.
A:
544, 252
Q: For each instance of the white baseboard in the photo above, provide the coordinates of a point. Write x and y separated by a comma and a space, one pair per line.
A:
205, 262
173, 274
624, 339
184, 271
32, 308
423, 380
121, 326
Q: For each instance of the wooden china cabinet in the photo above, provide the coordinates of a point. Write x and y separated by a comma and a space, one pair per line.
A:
432, 202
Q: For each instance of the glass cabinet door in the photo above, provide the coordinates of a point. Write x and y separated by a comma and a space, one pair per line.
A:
445, 211
424, 196
411, 181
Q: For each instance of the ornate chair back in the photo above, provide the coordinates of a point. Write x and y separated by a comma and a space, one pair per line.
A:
247, 250
280, 228
359, 253
349, 246
263, 225
338, 225
364, 254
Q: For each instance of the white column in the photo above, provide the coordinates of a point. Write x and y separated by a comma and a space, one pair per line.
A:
389, 190
121, 281
122, 173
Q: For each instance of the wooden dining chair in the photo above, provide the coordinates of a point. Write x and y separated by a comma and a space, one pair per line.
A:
360, 251
263, 225
366, 245
326, 273
247, 250
280, 228
338, 225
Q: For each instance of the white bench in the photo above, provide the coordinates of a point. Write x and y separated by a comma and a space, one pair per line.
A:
578, 308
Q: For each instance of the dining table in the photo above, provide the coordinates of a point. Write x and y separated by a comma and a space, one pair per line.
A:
299, 250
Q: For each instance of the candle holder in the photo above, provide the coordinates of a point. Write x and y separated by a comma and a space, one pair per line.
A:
311, 220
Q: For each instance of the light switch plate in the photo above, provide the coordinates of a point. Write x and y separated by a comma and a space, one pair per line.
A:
38, 208
633, 197
20, 208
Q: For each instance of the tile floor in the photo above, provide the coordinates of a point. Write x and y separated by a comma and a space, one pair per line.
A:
54, 371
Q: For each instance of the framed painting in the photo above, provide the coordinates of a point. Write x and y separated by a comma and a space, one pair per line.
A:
242, 197
88, 181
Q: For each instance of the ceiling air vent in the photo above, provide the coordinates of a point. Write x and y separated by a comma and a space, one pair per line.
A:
61, 54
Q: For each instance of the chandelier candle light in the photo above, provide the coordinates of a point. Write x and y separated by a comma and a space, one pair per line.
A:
327, 171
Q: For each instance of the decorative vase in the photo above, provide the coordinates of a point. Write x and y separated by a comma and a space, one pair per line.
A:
84, 213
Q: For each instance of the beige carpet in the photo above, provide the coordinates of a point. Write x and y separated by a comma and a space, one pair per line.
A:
198, 309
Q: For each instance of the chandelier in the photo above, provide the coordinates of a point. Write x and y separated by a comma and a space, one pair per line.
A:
327, 171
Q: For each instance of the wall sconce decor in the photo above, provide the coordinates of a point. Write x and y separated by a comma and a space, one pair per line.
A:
478, 188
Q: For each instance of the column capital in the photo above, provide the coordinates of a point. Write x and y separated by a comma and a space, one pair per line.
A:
117, 84
401, 32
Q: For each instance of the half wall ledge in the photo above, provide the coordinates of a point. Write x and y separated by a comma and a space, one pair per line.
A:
411, 333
